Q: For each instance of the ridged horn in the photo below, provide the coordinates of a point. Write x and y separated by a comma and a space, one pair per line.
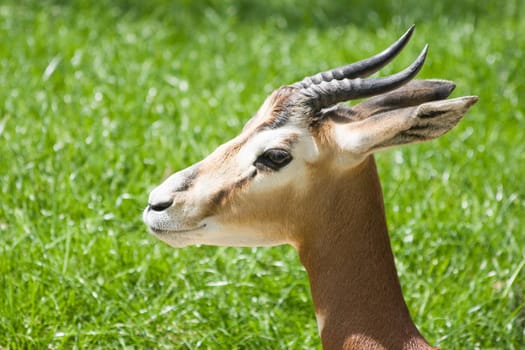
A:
326, 94
362, 68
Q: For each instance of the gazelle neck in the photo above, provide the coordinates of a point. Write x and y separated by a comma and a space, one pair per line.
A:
347, 253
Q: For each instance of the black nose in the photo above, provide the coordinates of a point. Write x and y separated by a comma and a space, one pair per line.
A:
161, 206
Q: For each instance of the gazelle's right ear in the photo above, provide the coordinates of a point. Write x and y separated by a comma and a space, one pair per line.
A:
401, 126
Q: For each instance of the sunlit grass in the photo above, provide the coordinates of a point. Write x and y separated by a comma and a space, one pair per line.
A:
99, 101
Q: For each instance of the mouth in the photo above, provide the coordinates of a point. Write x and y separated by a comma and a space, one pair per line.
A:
160, 232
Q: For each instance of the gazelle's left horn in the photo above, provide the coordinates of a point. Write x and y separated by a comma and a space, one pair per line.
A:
362, 68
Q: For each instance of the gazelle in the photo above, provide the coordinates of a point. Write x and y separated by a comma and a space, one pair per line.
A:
302, 172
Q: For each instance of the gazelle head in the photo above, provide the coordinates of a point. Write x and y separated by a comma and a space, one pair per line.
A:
262, 186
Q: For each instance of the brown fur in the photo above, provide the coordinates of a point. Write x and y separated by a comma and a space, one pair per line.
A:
351, 268
336, 218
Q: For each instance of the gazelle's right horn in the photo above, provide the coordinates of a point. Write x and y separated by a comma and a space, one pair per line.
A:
328, 93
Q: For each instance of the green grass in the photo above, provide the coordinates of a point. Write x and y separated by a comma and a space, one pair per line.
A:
99, 101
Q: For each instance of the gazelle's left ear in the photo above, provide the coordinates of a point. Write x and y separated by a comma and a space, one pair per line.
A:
401, 126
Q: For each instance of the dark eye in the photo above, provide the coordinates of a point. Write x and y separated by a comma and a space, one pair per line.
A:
274, 159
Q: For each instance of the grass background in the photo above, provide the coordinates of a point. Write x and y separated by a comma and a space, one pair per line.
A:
99, 101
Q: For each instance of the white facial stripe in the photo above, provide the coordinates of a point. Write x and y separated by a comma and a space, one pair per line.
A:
218, 175
276, 138
304, 150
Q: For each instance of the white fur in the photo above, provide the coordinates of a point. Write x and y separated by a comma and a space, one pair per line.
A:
303, 151
181, 225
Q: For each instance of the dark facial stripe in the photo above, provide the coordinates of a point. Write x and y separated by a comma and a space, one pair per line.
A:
281, 106
279, 120
221, 196
190, 175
